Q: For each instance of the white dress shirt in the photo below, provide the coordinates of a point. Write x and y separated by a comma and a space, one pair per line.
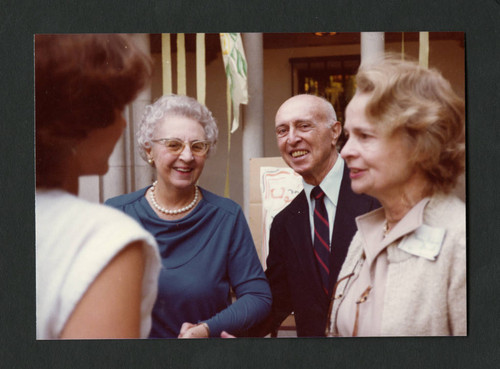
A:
331, 187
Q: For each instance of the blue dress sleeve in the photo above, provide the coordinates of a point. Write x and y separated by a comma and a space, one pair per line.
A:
248, 281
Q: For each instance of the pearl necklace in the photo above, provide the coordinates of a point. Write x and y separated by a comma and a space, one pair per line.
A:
176, 211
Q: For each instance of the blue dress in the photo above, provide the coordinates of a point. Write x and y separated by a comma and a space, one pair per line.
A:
204, 255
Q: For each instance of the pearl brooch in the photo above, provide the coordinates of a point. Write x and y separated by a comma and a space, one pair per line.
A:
176, 211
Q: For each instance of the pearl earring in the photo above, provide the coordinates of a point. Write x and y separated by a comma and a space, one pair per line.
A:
150, 161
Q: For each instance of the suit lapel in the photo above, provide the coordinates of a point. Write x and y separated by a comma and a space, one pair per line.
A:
349, 206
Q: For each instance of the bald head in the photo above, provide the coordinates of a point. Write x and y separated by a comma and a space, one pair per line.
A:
321, 108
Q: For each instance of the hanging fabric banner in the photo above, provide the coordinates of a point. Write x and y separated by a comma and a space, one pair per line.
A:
166, 61
200, 68
235, 65
423, 52
181, 64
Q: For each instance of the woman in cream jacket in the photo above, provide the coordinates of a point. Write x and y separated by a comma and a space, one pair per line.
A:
405, 272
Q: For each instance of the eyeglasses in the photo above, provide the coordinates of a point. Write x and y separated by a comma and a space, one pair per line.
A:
176, 146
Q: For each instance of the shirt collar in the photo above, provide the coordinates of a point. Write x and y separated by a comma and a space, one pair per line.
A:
371, 226
330, 184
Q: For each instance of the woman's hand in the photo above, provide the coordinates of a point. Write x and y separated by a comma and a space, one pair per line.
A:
224, 334
190, 330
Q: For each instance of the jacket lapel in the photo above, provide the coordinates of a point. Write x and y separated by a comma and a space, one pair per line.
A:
349, 206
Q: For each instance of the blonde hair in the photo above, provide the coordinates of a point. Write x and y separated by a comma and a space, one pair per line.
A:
421, 104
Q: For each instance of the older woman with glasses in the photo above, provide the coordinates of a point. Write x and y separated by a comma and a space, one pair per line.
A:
405, 271
204, 240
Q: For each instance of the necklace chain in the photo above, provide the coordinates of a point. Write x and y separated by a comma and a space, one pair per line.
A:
176, 211
386, 228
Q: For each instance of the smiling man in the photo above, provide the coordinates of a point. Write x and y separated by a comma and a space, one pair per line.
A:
310, 237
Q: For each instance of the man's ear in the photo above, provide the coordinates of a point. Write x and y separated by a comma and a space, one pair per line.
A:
336, 130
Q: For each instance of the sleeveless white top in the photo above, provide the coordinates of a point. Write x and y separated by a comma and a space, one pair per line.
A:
75, 241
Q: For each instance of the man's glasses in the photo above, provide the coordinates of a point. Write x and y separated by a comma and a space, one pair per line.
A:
176, 146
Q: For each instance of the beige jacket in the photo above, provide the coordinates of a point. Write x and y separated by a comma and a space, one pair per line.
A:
416, 275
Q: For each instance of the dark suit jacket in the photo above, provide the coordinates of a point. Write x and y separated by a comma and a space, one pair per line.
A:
292, 268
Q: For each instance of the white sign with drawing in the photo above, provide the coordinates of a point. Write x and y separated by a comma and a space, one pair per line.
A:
278, 186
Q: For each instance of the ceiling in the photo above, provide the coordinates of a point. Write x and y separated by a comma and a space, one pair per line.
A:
292, 40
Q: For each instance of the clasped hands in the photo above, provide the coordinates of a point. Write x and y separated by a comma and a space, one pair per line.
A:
200, 330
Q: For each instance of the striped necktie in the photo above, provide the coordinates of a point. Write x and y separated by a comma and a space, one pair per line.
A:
321, 232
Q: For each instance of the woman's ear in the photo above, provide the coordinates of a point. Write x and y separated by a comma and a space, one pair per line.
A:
149, 155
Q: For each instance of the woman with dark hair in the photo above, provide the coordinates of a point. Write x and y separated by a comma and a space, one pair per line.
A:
96, 269
405, 272
204, 240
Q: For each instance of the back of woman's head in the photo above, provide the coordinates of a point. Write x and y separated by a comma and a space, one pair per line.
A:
81, 81
420, 103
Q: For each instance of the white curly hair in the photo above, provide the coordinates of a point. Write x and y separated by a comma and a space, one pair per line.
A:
175, 105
